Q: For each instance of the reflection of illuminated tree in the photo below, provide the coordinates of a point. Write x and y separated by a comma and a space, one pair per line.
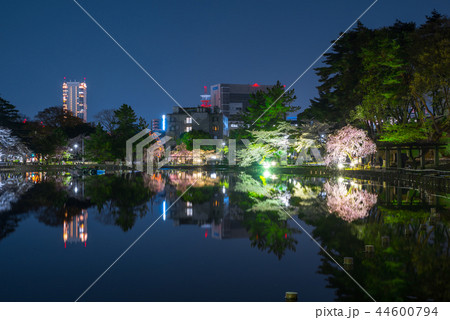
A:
48, 200
349, 204
268, 232
308, 199
263, 217
183, 179
247, 184
199, 195
11, 188
412, 267
155, 182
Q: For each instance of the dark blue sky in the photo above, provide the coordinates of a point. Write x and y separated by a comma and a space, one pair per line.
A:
183, 44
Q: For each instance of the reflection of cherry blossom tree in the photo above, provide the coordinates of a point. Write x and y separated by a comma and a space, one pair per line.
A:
348, 142
349, 204
155, 182
11, 189
182, 180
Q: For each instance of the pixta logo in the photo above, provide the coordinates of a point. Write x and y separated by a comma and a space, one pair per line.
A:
149, 151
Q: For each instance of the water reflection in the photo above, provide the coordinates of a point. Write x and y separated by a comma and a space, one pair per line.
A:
348, 200
75, 229
408, 230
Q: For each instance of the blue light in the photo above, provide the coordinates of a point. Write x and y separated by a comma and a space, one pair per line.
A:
164, 210
163, 122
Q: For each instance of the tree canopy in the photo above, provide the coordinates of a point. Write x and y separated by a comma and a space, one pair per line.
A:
397, 74
108, 143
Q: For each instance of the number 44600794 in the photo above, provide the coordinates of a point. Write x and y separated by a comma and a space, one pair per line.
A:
410, 311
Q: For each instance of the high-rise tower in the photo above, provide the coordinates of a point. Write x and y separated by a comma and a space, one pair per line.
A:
75, 98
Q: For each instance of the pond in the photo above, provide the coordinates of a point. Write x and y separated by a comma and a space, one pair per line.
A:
219, 236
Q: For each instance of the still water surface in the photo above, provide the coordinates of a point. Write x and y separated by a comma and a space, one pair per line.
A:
225, 239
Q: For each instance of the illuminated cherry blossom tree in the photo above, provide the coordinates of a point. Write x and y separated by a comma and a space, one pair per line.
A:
349, 204
10, 146
348, 142
267, 143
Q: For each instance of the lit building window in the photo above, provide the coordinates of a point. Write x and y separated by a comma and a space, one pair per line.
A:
188, 120
188, 129
189, 211
215, 128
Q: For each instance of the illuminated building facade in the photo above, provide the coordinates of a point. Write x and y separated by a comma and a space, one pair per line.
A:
156, 125
75, 98
232, 99
208, 120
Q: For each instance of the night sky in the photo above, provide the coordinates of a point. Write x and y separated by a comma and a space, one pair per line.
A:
183, 44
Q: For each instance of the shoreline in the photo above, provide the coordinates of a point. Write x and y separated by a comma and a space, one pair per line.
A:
421, 178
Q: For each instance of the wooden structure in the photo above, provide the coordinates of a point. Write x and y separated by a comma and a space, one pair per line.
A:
397, 154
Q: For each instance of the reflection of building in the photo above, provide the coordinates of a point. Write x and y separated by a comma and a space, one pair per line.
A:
35, 177
75, 98
201, 204
229, 227
208, 206
75, 230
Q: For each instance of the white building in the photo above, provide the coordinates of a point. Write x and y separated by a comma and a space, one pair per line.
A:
75, 98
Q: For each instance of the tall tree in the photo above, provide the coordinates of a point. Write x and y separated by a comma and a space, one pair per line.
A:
142, 124
127, 127
57, 117
9, 114
99, 145
339, 79
430, 85
269, 107
107, 119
